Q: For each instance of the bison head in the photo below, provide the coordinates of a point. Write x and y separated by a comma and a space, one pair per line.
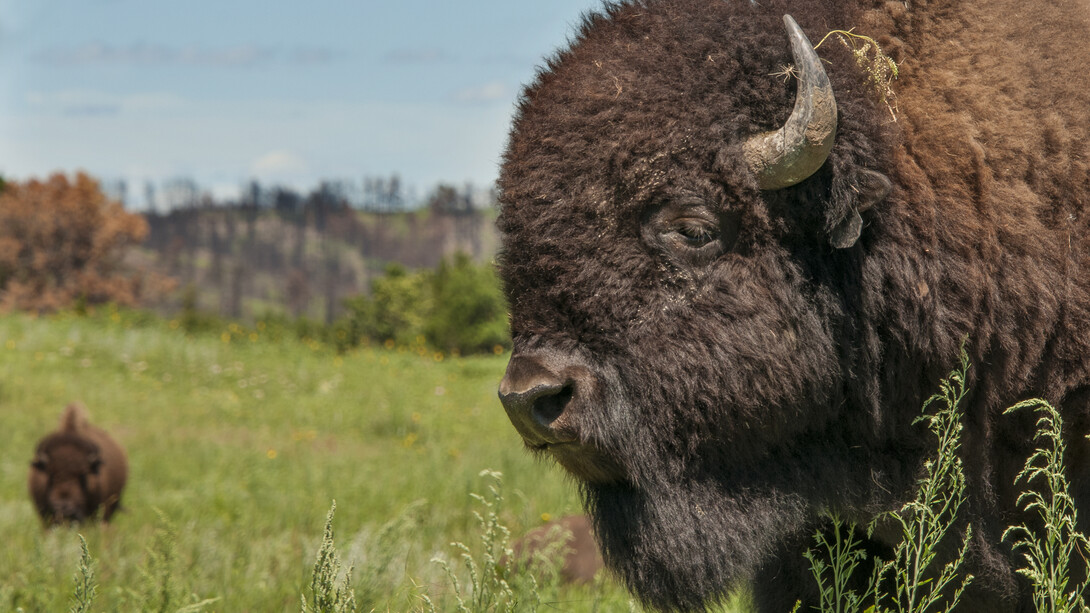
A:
64, 478
675, 229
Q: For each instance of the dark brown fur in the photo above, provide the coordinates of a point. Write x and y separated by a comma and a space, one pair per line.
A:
77, 470
733, 401
570, 537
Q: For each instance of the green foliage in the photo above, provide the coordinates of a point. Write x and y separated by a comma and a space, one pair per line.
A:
833, 566
1048, 549
388, 550
457, 308
84, 594
909, 583
1048, 557
468, 313
192, 319
327, 594
159, 591
926, 520
396, 310
22, 587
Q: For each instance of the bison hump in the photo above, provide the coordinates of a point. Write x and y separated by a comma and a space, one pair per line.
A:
74, 418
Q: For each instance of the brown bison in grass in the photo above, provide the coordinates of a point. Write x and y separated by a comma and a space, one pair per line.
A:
76, 470
731, 290
570, 538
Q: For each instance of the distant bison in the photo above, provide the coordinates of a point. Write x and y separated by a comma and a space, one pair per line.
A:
76, 470
570, 537
734, 278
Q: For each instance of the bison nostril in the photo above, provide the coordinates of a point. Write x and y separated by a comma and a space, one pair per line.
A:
550, 406
537, 393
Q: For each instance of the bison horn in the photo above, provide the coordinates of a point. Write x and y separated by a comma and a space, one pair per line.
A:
789, 155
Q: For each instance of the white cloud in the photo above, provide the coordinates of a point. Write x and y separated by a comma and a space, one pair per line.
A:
225, 191
489, 92
90, 102
152, 55
240, 55
278, 164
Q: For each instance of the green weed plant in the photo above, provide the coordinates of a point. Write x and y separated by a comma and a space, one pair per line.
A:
910, 582
83, 595
491, 586
331, 584
1048, 556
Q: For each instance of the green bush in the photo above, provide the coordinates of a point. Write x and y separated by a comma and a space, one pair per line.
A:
457, 308
468, 310
396, 310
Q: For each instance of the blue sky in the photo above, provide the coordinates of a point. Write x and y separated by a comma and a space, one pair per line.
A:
223, 91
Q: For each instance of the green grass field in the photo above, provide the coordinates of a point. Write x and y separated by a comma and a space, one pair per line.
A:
238, 446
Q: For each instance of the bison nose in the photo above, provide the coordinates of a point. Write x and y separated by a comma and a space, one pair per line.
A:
537, 398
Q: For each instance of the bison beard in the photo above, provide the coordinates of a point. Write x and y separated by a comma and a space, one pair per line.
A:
683, 522
677, 547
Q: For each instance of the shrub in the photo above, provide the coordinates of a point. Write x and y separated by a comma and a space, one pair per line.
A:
192, 319
468, 310
459, 307
397, 309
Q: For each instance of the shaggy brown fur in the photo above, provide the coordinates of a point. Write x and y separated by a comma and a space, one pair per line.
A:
724, 397
76, 470
570, 537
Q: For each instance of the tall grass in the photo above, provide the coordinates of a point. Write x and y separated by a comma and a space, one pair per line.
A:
83, 595
331, 584
910, 582
491, 585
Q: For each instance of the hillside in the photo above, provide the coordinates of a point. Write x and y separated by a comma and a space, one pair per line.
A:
303, 259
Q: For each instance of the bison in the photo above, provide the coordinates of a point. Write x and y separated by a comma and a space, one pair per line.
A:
76, 470
734, 275
569, 537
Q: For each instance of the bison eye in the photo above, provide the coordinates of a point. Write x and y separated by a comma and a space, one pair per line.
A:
688, 232
695, 233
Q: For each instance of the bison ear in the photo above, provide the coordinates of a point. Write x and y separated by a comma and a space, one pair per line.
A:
862, 191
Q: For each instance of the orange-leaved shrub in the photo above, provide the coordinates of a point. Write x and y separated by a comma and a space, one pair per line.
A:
63, 242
